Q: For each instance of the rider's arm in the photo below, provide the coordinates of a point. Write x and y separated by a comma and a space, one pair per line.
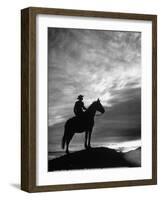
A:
84, 107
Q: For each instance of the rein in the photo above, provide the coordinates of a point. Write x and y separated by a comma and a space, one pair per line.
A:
97, 115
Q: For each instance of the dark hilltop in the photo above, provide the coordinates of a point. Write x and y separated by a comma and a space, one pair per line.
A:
99, 157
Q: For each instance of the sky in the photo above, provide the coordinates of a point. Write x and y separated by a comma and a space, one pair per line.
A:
97, 64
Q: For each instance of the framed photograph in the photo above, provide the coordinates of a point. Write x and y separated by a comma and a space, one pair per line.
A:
88, 99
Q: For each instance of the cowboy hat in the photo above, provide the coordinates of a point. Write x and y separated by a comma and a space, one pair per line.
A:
80, 97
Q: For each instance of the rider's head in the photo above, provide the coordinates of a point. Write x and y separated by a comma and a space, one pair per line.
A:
80, 97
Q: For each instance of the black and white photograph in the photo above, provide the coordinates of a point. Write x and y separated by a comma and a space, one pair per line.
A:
94, 99
89, 99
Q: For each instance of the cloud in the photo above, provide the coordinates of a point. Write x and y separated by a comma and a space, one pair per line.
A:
97, 64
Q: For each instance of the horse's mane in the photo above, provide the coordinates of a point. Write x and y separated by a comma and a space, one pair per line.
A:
90, 106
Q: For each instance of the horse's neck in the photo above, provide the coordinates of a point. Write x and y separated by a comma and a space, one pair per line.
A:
91, 111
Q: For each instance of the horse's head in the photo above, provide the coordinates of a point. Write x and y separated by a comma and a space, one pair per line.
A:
99, 106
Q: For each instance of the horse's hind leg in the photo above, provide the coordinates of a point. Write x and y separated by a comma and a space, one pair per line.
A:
68, 141
67, 148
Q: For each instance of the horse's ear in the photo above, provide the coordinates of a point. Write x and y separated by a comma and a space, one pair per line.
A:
98, 99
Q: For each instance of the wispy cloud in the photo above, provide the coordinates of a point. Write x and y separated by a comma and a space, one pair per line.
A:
97, 64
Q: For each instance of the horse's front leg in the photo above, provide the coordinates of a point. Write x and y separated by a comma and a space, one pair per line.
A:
89, 138
85, 142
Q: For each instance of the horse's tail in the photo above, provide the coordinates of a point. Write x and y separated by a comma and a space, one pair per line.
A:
63, 142
64, 137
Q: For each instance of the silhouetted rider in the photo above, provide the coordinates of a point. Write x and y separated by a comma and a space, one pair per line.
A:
79, 106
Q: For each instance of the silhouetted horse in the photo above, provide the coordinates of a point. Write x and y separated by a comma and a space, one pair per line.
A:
84, 123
